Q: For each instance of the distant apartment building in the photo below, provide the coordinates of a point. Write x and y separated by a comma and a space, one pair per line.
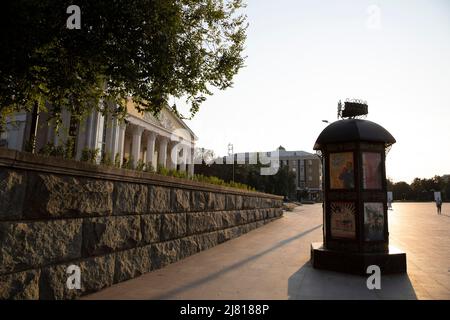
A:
307, 168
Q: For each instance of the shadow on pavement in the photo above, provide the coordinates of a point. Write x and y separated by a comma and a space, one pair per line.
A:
193, 284
308, 283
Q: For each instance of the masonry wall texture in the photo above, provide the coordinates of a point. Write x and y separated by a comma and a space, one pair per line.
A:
113, 224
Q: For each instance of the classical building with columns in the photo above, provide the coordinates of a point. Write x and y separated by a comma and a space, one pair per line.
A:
164, 140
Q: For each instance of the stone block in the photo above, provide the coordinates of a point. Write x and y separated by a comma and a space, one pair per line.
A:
199, 200
244, 228
188, 246
251, 226
203, 222
130, 198
27, 245
278, 212
54, 283
173, 225
258, 214
207, 240
241, 216
104, 235
251, 215
20, 286
222, 236
132, 263
159, 199
266, 203
249, 202
180, 200
164, 253
239, 202
50, 195
229, 218
257, 202
233, 232
151, 228
96, 273
216, 202
12, 194
230, 202
277, 203
259, 223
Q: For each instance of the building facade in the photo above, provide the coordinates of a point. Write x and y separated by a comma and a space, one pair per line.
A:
307, 168
164, 140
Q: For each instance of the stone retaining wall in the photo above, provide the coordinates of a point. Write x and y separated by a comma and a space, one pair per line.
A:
114, 224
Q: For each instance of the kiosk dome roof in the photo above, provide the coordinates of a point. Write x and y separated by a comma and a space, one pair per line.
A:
350, 130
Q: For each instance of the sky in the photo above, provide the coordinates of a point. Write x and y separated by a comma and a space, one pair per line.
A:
305, 56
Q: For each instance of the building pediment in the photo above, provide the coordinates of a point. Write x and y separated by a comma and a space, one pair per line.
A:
165, 119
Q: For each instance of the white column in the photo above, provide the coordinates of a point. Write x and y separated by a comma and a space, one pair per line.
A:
112, 137
41, 137
162, 153
136, 144
191, 161
99, 126
173, 160
121, 141
183, 157
88, 131
94, 132
150, 155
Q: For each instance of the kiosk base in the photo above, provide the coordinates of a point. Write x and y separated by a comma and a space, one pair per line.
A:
393, 261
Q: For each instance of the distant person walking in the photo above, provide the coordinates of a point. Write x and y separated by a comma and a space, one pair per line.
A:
439, 205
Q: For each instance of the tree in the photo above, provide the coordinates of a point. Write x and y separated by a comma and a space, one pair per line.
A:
147, 49
420, 189
401, 191
282, 183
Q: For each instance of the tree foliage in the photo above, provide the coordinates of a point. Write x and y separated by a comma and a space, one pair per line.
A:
420, 189
282, 183
147, 49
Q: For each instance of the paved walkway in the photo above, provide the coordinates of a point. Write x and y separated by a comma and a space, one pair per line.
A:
272, 262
